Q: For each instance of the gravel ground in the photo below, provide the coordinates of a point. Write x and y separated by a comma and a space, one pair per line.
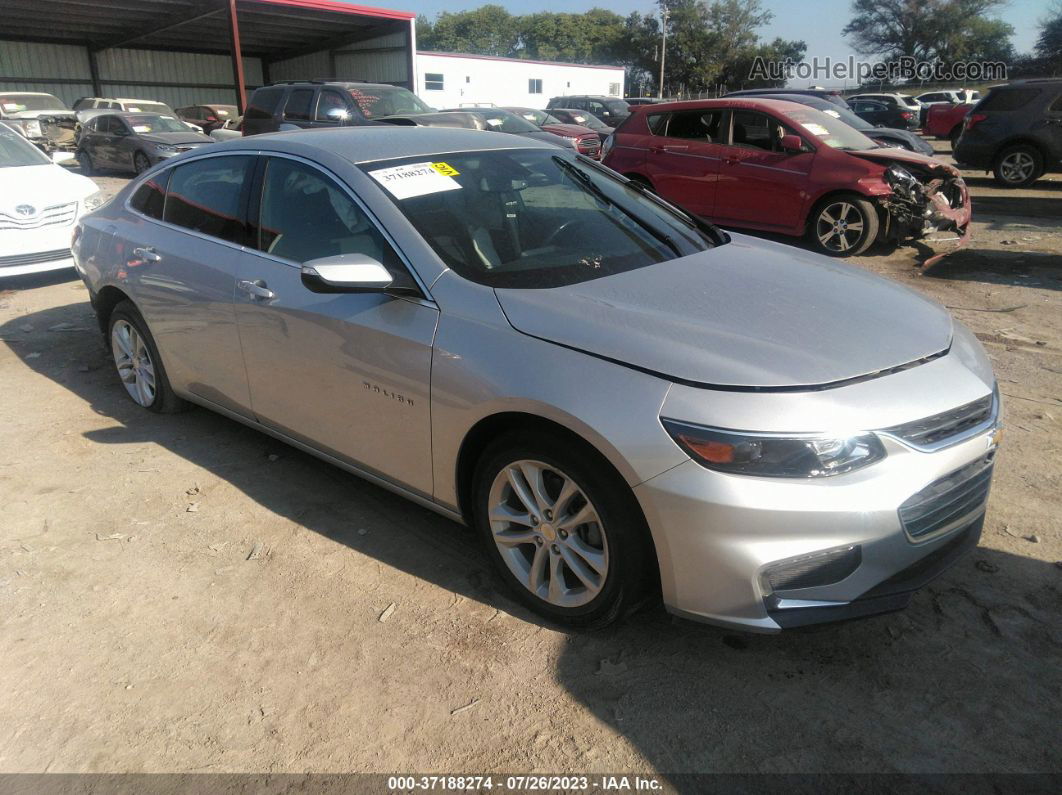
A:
184, 594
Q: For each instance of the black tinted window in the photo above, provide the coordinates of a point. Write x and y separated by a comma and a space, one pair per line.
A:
205, 196
263, 102
1009, 99
150, 197
298, 106
698, 125
305, 216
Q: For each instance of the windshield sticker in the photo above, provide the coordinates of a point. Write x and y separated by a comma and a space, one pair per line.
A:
815, 129
416, 179
142, 128
445, 169
133, 109
833, 113
12, 106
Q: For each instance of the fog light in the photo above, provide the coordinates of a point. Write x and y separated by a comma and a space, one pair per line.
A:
811, 571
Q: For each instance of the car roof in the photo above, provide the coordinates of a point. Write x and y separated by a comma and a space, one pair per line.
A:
27, 94
749, 103
368, 144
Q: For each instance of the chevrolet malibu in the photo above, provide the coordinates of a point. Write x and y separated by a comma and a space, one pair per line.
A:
617, 397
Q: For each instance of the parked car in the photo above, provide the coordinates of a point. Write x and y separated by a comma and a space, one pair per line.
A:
879, 114
208, 117
334, 103
504, 121
124, 105
886, 136
134, 141
43, 119
822, 93
968, 95
892, 100
516, 337
584, 119
39, 203
641, 100
790, 169
1015, 131
609, 110
457, 119
932, 97
586, 140
232, 128
945, 121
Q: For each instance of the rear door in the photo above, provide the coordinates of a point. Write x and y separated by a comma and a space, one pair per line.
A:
345, 373
299, 108
183, 255
684, 156
760, 184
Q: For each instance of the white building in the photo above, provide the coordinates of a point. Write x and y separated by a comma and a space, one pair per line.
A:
450, 80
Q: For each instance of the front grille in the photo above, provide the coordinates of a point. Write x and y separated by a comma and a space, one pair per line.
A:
57, 215
589, 146
949, 501
939, 428
34, 259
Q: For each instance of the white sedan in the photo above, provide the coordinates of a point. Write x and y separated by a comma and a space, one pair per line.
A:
39, 204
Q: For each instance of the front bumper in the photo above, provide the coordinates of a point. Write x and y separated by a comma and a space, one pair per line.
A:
720, 538
43, 245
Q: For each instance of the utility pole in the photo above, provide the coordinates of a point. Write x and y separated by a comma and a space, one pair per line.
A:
663, 49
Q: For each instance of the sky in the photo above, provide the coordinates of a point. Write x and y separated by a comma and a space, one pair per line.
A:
818, 22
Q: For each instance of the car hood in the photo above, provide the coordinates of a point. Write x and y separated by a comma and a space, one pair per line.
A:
41, 186
892, 134
542, 135
570, 130
36, 114
175, 138
888, 156
746, 314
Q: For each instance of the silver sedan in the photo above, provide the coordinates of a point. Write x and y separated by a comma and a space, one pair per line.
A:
621, 400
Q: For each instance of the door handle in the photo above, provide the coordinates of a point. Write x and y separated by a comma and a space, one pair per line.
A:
256, 289
146, 254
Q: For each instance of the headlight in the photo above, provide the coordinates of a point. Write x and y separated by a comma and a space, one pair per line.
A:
902, 181
94, 201
775, 456
165, 148
33, 129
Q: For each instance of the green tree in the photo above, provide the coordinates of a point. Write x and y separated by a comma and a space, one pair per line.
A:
487, 30
1049, 42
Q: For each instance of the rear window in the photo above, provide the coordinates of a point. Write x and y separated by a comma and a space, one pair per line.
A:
298, 106
263, 102
1008, 99
150, 198
204, 196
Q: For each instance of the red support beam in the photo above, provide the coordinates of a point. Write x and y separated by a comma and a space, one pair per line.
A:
237, 58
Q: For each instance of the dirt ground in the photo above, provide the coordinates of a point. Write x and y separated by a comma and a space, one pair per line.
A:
184, 594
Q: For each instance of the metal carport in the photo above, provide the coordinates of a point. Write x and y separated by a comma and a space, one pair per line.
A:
197, 51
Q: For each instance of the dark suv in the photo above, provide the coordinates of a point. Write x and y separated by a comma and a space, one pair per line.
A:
610, 110
325, 103
1015, 131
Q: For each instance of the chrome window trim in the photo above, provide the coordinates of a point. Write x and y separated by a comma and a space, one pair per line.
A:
426, 299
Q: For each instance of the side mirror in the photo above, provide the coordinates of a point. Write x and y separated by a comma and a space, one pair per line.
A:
346, 273
792, 143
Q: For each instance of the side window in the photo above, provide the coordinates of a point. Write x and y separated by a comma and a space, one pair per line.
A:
332, 107
263, 102
597, 107
758, 131
103, 125
304, 215
205, 196
298, 106
657, 123
150, 197
697, 125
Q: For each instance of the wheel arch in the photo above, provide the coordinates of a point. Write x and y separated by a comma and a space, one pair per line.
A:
104, 303
818, 201
1022, 140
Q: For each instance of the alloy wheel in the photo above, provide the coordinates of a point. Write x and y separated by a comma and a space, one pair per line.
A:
839, 226
133, 360
1017, 167
548, 533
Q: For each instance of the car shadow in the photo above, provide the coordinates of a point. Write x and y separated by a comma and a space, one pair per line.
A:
962, 680
1049, 207
1015, 268
1049, 183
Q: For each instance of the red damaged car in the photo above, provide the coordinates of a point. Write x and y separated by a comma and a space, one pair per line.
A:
786, 168
585, 140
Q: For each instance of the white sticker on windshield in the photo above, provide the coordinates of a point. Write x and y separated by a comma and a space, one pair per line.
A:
11, 106
833, 113
141, 128
816, 129
416, 179
133, 109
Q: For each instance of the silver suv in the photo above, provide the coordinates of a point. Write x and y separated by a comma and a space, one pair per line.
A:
620, 399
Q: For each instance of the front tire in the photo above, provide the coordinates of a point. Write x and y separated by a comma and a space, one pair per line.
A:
1018, 166
84, 162
562, 529
141, 163
843, 226
138, 362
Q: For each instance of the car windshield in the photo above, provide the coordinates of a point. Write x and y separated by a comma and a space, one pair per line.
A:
20, 102
830, 130
503, 121
586, 120
380, 101
536, 218
618, 106
537, 117
223, 111
149, 123
847, 117
17, 151
148, 107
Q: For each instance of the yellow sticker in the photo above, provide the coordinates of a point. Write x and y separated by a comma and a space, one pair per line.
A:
445, 169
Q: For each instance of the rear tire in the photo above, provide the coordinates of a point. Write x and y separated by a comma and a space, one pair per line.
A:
84, 162
843, 225
138, 363
141, 163
562, 529
1018, 166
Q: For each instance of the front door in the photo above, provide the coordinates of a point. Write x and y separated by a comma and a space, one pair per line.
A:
684, 155
760, 184
345, 373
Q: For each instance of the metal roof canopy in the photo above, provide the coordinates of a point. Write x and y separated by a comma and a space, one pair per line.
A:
273, 30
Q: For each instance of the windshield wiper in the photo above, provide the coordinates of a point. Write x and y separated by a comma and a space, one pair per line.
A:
714, 234
587, 182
